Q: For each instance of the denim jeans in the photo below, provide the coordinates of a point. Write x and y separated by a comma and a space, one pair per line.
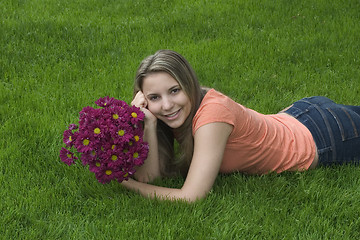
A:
334, 127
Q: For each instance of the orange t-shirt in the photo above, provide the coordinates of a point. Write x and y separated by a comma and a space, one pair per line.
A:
258, 143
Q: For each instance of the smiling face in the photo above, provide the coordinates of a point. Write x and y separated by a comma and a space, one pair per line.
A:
166, 100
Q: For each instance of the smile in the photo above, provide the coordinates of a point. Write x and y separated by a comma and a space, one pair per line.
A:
173, 115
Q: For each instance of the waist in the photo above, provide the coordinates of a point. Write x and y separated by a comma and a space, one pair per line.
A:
316, 157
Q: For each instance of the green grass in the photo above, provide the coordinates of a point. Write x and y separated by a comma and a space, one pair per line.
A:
59, 56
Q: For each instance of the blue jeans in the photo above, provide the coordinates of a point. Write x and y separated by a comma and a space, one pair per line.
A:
334, 127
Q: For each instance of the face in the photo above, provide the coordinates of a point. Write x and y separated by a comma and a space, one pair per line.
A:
165, 98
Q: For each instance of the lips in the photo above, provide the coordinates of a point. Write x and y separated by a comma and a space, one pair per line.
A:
172, 115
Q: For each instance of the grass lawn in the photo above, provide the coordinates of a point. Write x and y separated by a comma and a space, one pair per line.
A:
59, 56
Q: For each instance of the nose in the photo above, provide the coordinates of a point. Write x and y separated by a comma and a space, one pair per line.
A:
167, 104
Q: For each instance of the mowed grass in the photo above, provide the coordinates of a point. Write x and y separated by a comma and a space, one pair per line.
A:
58, 56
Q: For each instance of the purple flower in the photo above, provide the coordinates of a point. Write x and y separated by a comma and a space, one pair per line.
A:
104, 102
118, 114
96, 166
117, 159
109, 140
88, 115
84, 142
136, 115
141, 154
88, 157
106, 174
125, 173
120, 103
72, 127
68, 138
121, 133
97, 129
67, 157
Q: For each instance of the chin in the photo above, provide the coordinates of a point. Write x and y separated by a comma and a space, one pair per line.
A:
174, 125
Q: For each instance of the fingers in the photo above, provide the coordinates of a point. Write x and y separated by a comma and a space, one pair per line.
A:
149, 117
139, 100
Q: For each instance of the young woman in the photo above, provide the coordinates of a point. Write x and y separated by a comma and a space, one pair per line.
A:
216, 134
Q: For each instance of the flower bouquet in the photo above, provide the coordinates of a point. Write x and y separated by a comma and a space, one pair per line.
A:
108, 139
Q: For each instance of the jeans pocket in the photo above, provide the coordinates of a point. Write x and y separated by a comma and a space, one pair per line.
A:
345, 120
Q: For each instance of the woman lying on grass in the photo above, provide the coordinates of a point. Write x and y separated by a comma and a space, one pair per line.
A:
216, 134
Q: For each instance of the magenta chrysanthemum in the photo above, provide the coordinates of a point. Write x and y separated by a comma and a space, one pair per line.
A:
68, 138
105, 102
67, 157
72, 127
108, 139
136, 115
107, 173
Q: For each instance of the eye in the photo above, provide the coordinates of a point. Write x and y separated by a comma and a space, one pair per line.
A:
175, 90
153, 98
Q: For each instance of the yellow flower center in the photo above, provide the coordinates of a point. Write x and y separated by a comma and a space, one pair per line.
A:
113, 147
97, 164
121, 132
69, 155
108, 172
70, 139
97, 130
93, 153
114, 157
130, 143
137, 138
126, 174
134, 115
135, 155
86, 142
115, 116
125, 151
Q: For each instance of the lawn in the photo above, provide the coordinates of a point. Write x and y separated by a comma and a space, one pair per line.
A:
58, 56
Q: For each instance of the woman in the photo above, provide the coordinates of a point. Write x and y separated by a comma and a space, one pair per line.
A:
216, 134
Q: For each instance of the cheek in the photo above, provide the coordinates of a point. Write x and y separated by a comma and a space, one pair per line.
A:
185, 101
153, 107
188, 107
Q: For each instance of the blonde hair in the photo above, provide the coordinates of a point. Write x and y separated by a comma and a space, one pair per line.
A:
178, 67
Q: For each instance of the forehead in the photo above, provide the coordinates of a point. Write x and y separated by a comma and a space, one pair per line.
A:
158, 81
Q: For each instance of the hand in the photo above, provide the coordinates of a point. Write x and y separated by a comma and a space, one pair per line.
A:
141, 102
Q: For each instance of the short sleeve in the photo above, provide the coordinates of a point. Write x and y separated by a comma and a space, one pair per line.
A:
210, 113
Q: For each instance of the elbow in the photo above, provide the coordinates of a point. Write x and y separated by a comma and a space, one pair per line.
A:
193, 200
192, 197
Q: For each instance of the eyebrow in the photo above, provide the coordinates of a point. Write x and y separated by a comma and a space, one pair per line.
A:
171, 88
175, 86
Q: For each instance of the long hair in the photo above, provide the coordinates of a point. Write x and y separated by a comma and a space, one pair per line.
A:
177, 67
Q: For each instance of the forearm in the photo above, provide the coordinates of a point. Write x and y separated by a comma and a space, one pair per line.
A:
151, 167
152, 191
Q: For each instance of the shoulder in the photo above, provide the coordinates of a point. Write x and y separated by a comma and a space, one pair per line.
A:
215, 107
216, 100
214, 96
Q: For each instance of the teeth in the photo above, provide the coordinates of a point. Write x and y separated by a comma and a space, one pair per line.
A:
171, 115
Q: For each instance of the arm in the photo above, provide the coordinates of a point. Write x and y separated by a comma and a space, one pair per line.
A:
151, 167
209, 145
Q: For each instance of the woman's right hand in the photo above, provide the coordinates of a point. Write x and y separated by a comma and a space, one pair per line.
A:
141, 102
151, 167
